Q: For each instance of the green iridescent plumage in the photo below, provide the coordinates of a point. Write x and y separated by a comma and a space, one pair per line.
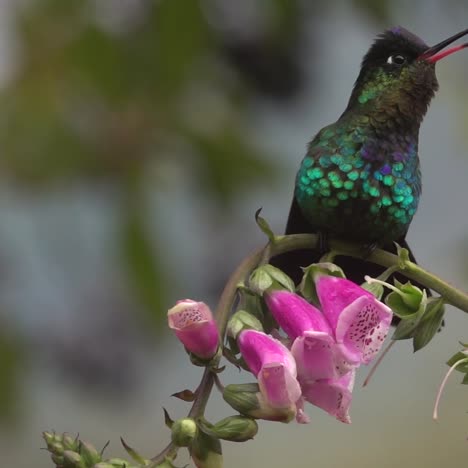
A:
354, 185
360, 179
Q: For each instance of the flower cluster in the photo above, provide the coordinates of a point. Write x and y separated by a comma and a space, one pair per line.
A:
324, 347
316, 362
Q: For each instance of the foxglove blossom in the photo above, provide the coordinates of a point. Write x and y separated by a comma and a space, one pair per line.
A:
314, 348
273, 365
359, 321
194, 325
332, 395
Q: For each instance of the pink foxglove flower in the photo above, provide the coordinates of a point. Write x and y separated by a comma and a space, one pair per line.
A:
332, 395
194, 325
359, 321
314, 348
273, 365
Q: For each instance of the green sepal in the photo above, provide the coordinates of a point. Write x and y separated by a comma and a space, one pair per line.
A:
206, 451
250, 302
465, 380
409, 302
233, 428
242, 320
134, 454
462, 367
307, 286
264, 226
405, 329
211, 362
167, 419
430, 323
267, 277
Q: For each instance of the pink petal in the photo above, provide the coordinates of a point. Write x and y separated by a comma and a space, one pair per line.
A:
318, 357
195, 327
279, 387
259, 349
362, 328
332, 395
335, 294
294, 314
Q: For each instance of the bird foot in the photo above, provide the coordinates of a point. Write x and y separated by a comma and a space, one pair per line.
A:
368, 249
322, 243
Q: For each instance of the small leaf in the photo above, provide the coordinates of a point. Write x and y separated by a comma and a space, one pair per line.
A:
167, 419
405, 329
429, 324
185, 395
463, 367
134, 454
264, 226
403, 256
465, 380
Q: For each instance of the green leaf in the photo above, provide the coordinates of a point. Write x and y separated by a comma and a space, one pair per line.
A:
405, 329
264, 226
411, 302
430, 323
463, 367
465, 380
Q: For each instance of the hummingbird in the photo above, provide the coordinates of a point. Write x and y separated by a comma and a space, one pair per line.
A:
360, 179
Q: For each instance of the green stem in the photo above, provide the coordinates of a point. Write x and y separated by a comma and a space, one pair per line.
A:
283, 244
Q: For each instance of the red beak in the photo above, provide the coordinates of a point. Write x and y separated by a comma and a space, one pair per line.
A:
435, 53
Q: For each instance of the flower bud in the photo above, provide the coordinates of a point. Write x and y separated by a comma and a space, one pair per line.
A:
184, 431
73, 460
235, 429
240, 321
194, 325
70, 443
268, 277
247, 399
273, 365
89, 454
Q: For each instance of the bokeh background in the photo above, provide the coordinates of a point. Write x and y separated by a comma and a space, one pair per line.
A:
137, 139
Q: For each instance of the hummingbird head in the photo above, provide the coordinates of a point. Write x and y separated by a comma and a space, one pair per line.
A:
397, 79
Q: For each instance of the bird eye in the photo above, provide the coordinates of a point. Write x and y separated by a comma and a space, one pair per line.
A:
396, 59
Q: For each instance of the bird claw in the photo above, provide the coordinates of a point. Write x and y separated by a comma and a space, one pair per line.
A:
368, 250
322, 243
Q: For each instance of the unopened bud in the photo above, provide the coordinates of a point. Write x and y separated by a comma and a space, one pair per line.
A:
89, 454
247, 399
194, 325
183, 432
72, 460
235, 428
70, 443
242, 320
